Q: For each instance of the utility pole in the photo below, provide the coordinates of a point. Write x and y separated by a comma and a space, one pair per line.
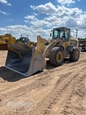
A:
21, 35
76, 32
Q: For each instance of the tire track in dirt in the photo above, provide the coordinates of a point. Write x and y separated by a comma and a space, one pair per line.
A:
66, 82
76, 103
21, 89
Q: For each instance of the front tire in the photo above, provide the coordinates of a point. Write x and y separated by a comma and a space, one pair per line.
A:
56, 56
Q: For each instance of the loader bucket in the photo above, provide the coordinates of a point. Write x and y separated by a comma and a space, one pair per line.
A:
24, 60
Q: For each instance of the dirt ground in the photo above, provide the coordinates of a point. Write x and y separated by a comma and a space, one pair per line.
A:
56, 91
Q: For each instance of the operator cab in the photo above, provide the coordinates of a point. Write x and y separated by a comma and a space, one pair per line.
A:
62, 33
24, 39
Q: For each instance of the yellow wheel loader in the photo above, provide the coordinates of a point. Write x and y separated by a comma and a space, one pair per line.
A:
6, 39
27, 59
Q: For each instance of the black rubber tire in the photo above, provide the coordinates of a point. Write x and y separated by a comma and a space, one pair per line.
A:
53, 56
72, 55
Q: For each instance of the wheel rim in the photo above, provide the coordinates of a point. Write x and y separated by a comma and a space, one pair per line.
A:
59, 57
76, 54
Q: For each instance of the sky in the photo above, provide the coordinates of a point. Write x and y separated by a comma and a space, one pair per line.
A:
37, 17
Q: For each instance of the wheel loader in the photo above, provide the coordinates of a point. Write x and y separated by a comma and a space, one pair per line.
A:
6, 39
27, 59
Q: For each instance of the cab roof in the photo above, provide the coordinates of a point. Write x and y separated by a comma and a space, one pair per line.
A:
62, 28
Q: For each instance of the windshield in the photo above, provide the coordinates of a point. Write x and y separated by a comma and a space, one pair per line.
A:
56, 34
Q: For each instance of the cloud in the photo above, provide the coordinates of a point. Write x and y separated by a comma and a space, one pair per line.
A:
37, 22
59, 15
18, 30
3, 29
33, 7
47, 8
26, 21
31, 17
5, 13
35, 14
65, 2
60, 10
5, 2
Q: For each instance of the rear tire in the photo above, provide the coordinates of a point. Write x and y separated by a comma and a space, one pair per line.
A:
56, 56
74, 56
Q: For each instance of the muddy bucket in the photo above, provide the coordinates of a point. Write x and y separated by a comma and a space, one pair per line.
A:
24, 59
